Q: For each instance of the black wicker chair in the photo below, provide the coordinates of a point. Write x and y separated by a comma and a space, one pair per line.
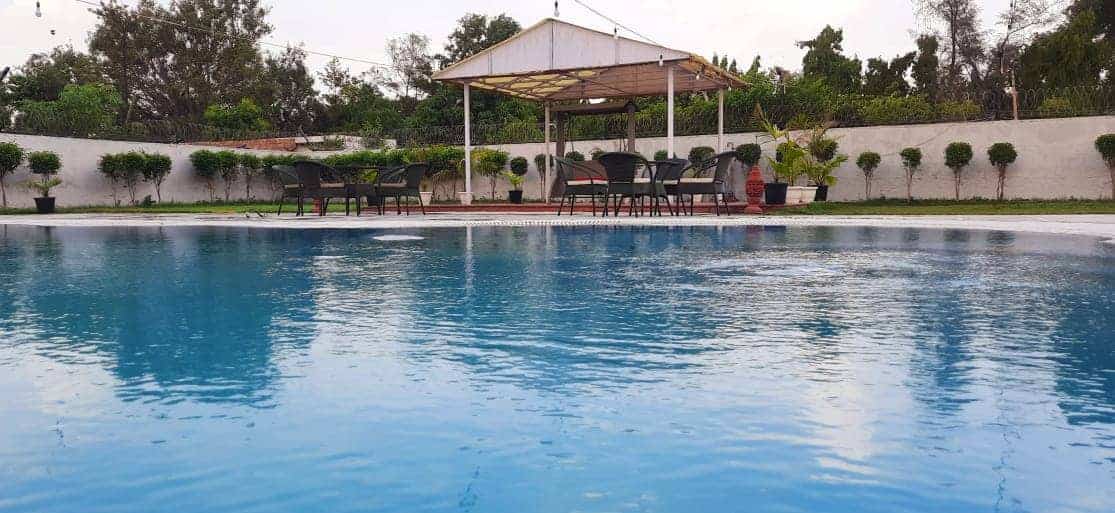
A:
578, 180
405, 182
711, 178
622, 169
312, 178
667, 173
291, 187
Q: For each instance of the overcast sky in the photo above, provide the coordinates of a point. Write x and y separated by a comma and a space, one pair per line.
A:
359, 28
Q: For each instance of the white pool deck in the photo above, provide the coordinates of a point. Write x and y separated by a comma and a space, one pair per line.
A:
1093, 225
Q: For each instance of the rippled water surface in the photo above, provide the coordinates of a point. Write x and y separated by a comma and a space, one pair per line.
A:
555, 370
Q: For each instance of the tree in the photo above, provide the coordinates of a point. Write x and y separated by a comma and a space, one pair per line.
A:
925, 68
888, 78
957, 156
868, 161
962, 38
474, 34
411, 67
1066, 57
244, 116
80, 110
228, 167
11, 155
178, 68
1105, 144
825, 61
286, 91
206, 165
1001, 156
44, 76
911, 162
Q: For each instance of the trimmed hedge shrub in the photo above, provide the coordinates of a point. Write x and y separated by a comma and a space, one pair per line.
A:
957, 156
1001, 155
1105, 144
44, 162
157, 169
11, 156
698, 154
661, 155
749, 155
911, 162
868, 161
206, 166
519, 166
575, 156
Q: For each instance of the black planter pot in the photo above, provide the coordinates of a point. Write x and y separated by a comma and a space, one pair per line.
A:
44, 205
822, 193
775, 193
515, 197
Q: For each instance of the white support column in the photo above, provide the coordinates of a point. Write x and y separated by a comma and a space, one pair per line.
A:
466, 197
720, 120
548, 176
670, 110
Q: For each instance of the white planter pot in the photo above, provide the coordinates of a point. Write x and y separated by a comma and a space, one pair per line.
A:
426, 197
800, 195
465, 197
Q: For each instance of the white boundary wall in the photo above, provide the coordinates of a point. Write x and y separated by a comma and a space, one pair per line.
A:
1057, 160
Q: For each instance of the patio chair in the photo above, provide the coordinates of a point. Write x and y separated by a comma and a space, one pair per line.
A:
710, 178
667, 173
578, 180
622, 169
313, 176
355, 188
404, 182
291, 187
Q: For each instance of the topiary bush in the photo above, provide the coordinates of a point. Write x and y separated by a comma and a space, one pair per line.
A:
519, 166
596, 153
957, 156
661, 155
1001, 156
1105, 144
698, 154
489, 163
44, 164
206, 166
911, 162
250, 166
131, 169
157, 168
228, 167
11, 156
868, 161
109, 167
575, 156
749, 155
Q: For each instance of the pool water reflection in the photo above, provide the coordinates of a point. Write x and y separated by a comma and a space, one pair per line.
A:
555, 369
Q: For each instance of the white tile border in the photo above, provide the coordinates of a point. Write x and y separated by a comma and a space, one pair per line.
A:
1094, 225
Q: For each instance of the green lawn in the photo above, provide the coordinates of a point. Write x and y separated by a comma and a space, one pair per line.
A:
945, 207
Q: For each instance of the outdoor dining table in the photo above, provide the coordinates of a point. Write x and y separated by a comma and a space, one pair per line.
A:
355, 188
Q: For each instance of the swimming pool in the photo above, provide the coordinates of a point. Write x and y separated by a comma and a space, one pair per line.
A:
555, 369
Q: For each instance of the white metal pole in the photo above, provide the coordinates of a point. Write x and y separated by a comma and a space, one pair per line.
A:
546, 176
720, 121
468, 141
670, 110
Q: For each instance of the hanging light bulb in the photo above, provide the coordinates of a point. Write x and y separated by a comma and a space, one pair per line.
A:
38, 10
556, 13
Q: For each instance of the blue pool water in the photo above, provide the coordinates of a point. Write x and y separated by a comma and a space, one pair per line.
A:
555, 370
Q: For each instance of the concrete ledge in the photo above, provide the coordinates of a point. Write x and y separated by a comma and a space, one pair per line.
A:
1102, 226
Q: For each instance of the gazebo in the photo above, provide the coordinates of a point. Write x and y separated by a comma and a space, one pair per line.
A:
555, 61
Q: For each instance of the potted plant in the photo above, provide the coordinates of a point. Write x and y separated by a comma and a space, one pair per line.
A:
749, 155
516, 176
11, 156
868, 161
45, 164
1105, 144
661, 155
911, 162
157, 169
820, 173
1001, 155
822, 150
957, 156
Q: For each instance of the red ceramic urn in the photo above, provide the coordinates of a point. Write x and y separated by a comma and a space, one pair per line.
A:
755, 187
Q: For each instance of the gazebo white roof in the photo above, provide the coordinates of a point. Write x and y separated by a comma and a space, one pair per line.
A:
554, 60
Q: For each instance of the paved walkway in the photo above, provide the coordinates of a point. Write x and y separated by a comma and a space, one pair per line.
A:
1095, 225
